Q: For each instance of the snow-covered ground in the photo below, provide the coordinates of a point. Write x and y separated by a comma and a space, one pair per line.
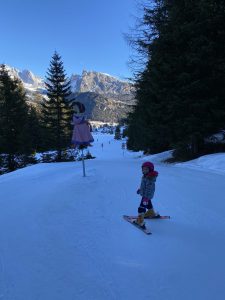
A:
62, 236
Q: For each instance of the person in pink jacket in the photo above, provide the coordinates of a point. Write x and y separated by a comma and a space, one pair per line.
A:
82, 128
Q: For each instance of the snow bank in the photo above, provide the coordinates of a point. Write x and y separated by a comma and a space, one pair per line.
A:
212, 162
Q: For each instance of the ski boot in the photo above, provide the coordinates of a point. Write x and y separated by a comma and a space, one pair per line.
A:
140, 221
151, 214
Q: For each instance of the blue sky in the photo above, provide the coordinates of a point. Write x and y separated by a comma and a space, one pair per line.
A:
88, 34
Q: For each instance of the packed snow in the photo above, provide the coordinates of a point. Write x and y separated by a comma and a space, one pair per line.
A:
62, 235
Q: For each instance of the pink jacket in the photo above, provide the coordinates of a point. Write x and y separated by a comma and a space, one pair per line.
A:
81, 131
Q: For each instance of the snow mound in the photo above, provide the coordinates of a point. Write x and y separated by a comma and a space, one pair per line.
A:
214, 162
159, 157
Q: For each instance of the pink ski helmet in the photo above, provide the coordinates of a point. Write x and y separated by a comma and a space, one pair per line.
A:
149, 165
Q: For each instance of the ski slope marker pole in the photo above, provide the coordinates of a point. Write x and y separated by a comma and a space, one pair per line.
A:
84, 173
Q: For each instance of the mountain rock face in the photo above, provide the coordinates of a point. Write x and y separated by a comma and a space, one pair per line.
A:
102, 108
29, 80
100, 83
106, 98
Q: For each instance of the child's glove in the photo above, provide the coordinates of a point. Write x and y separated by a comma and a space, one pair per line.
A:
138, 191
145, 201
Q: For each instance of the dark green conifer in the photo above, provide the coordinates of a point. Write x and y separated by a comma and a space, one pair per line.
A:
14, 135
180, 94
57, 108
117, 133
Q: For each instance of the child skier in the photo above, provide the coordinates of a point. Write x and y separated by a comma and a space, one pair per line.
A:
146, 190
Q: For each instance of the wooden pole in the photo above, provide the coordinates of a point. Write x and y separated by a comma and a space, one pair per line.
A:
84, 173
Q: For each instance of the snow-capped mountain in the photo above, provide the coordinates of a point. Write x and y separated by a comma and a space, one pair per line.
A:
106, 98
101, 83
31, 82
89, 81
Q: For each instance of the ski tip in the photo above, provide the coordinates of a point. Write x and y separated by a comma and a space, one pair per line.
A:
128, 217
132, 221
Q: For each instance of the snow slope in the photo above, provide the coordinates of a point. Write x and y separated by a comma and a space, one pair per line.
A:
62, 236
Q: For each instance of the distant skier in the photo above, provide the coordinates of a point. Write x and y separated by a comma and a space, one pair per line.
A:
147, 190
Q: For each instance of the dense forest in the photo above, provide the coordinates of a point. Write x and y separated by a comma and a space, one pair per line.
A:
180, 86
24, 130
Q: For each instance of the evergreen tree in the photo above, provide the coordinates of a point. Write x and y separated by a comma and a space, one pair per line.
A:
180, 94
147, 129
14, 136
57, 109
34, 129
117, 133
196, 106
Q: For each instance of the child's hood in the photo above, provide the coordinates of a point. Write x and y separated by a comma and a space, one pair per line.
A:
152, 174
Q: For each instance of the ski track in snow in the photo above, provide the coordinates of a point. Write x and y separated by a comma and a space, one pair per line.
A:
62, 236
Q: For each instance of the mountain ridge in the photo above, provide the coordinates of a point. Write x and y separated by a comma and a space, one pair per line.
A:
106, 98
88, 81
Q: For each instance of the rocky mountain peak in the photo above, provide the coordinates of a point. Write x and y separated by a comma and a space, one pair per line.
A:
29, 80
89, 81
27, 77
102, 83
106, 98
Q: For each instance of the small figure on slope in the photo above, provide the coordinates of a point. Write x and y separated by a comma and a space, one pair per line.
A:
146, 190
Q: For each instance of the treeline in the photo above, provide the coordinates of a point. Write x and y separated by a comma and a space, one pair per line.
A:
24, 129
180, 91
